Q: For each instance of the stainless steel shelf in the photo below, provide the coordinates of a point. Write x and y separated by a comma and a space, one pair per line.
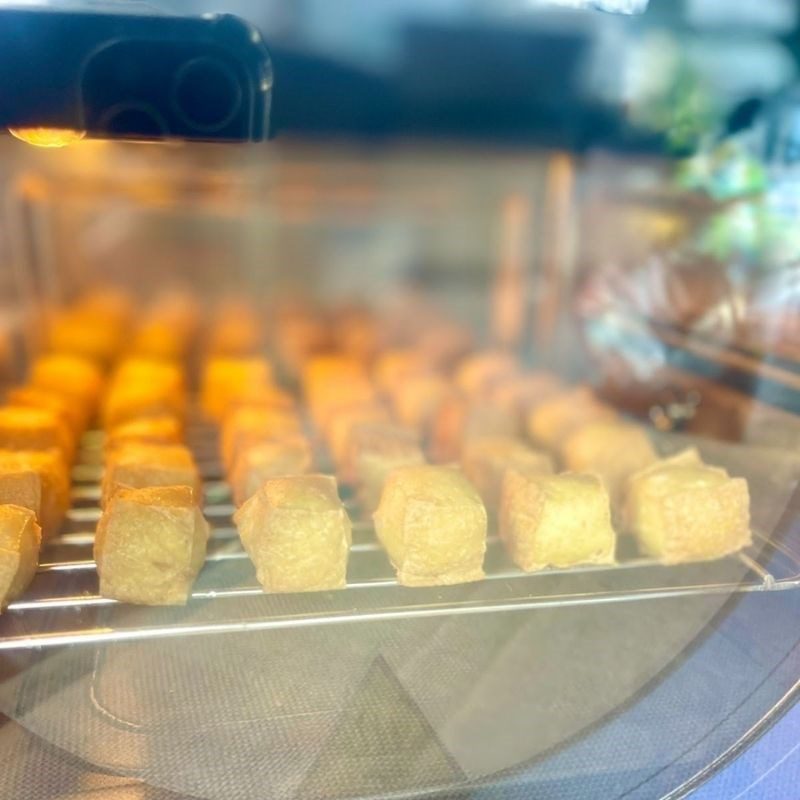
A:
62, 606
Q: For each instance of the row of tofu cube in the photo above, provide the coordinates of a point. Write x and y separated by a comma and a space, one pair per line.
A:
545, 520
151, 538
40, 425
42, 421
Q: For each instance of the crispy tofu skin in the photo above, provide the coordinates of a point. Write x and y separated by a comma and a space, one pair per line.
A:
20, 540
432, 523
556, 520
150, 545
681, 509
297, 534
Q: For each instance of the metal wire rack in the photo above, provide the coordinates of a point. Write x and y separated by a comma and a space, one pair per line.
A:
62, 606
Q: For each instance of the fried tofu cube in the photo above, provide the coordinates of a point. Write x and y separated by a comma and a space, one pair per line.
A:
459, 420
228, 379
236, 329
24, 428
85, 335
20, 541
162, 429
74, 416
249, 425
552, 420
53, 474
128, 401
20, 487
323, 371
613, 450
517, 393
343, 420
681, 510
150, 545
268, 459
445, 342
72, 376
393, 367
374, 450
168, 327
478, 371
325, 402
485, 460
417, 398
556, 520
138, 465
432, 523
297, 534
268, 397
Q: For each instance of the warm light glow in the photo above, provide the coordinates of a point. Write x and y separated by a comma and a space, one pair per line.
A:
47, 137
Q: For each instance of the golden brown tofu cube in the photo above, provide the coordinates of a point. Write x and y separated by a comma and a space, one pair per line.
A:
485, 460
266, 397
432, 523
20, 487
681, 509
613, 450
167, 329
53, 474
374, 450
85, 335
236, 329
72, 376
417, 399
249, 425
268, 459
73, 415
20, 540
163, 429
297, 533
228, 379
393, 367
445, 342
556, 520
342, 421
150, 545
323, 371
517, 393
326, 401
552, 420
458, 420
139, 465
23, 428
128, 401
478, 371
167, 375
